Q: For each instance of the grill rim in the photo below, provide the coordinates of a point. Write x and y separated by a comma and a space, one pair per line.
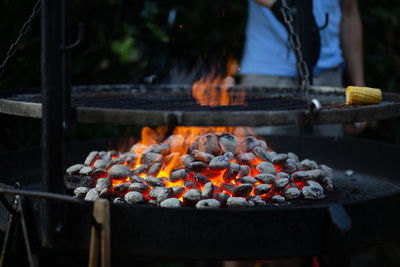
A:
21, 105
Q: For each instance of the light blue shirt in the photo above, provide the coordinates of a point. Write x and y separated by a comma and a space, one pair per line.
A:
267, 49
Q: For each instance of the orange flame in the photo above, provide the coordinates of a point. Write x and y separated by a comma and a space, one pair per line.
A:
213, 90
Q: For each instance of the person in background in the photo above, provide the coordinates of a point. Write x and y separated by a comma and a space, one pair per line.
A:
269, 60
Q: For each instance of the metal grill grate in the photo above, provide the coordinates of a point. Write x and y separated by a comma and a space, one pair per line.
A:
185, 103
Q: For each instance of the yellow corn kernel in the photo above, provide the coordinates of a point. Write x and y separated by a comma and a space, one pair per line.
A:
363, 95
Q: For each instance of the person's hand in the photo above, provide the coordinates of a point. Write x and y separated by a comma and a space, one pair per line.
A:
266, 3
355, 128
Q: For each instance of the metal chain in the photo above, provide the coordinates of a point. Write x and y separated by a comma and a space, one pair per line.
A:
22, 33
302, 68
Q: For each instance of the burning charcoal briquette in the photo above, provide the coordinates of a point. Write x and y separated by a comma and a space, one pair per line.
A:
163, 194
136, 179
192, 196
120, 160
202, 156
237, 202
119, 171
308, 164
139, 170
151, 158
306, 175
208, 204
278, 199
257, 200
196, 166
229, 155
186, 159
154, 192
222, 198
139, 187
244, 170
219, 163
228, 143
326, 183
246, 158
265, 178
231, 172
314, 184
281, 183
261, 189
280, 158
91, 157
148, 149
242, 190
87, 170
292, 155
80, 192
281, 175
247, 144
200, 179
87, 181
134, 198
162, 149
103, 183
178, 175
289, 166
209, 144
208, 190
261, 153
131, 159
266, 167
152, 202
171, 203
105, 193
100, 164
99, 173
74, 169
121, 188
154, 169
153, 182
247, 180
105, 155
228, 187
177, 191
312, 192
190, 185
119, 200
272, 154
327, 170
92, 195
291, 193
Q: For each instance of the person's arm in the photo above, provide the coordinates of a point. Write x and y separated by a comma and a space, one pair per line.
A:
266, 3
351, 41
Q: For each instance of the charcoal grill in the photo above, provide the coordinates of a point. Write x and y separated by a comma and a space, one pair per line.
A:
301, 228
341, 222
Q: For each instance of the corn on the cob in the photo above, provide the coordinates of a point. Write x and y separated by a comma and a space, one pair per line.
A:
363, 95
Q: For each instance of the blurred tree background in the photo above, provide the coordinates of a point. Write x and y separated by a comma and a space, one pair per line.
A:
168, 42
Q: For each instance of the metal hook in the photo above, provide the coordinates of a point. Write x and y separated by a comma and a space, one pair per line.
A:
81, 32
315, 105
326, 22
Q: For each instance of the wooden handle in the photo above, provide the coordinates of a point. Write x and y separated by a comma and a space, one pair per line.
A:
101, 213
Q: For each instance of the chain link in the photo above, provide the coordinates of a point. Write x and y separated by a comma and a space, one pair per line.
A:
302, 68
22, 33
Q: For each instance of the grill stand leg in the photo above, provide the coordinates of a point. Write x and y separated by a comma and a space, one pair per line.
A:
340, 225
16, 224
100, 241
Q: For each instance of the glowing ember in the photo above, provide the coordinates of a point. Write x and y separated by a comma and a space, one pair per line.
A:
228, 165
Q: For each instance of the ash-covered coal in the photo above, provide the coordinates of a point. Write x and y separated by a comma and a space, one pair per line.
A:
209, 170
